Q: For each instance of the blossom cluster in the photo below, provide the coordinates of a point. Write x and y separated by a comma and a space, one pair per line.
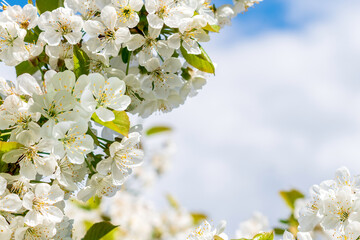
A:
142, 43
83, 67
135, 214
334, 206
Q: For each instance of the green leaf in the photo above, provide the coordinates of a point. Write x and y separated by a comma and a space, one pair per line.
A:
7, 147
198, 217
185, 73
91, 204
121, 124
25, 67
199, 61
31, 37
264, 236
81, 61
172, 201
290, 197
48, 5
157, 129
99, 230
279, 231
212, 28
216, 237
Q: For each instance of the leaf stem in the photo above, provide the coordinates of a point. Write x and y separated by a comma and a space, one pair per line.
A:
128, 63
90, 167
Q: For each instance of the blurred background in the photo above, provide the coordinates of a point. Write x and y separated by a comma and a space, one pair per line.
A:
282, 111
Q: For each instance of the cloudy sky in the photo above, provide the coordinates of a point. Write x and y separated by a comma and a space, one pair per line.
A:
282, 111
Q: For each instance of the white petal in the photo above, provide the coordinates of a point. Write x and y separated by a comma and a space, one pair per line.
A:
104, 114
152, 64
109, 17
10, 203
135, 42
154, 21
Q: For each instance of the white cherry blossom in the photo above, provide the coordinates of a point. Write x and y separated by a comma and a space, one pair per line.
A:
56, 107
15, 116
87, 8
205, 232
98, 185
341, 208
62, 51
124, 156
33, 159
162, 79
60, 23
71, 141
41, 204
12, 44
69, 174
149, 45
25, 17
167, 12
103, 94
105, 37
243, 5
127, 12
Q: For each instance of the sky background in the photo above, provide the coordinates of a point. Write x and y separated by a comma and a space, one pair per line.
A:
282, 111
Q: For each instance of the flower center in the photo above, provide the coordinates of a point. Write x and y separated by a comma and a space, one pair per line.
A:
344, 215
38, 203
126, 13
18, 188
162, 11
24, 24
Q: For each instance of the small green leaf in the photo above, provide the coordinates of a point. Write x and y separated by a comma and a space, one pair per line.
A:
216, 237
290, 197
199, 61
172, 201
121, 124
279, 231
157, 129
81, 61
48, 5
99, 230
185, 73
25, 67
31, 37
212, 28
91, 204
7, 147
264, 236
198, 217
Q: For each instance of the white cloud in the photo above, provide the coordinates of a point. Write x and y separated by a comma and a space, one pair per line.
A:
283, 111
